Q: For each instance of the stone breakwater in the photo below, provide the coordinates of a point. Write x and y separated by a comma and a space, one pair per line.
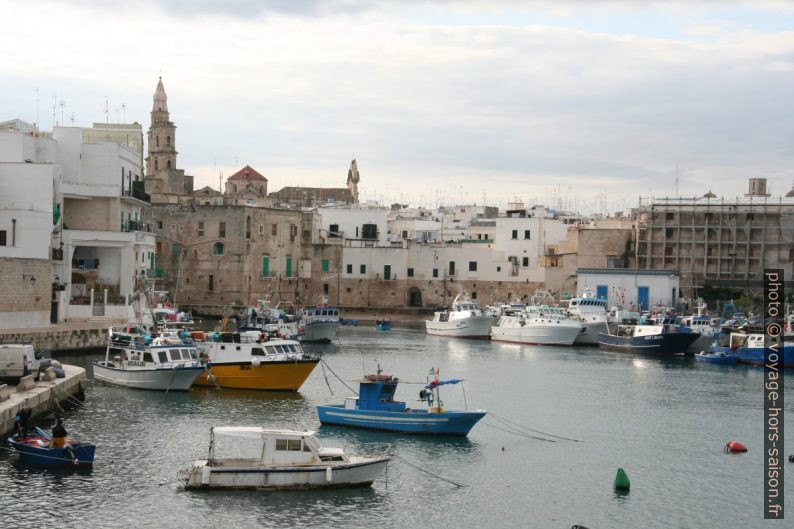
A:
61, 337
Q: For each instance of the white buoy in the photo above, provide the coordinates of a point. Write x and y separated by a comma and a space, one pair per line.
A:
256, 361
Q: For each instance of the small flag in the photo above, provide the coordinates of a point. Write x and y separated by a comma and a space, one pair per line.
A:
436, 374
432, 372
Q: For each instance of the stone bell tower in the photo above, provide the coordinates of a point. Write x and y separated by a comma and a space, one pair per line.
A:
164, 182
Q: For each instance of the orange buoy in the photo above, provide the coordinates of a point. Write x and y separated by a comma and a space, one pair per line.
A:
735, 446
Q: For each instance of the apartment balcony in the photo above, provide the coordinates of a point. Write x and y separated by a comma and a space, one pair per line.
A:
136, 194
136, 225
155, 273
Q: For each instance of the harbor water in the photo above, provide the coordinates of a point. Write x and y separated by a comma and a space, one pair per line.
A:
665, 421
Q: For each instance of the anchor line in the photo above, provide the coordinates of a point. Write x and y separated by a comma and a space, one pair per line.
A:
459, 485
512, 424
338, 377
519, 433
327, 383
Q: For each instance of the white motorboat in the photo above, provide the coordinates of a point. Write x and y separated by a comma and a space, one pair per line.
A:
261, 459
271, 320
464, 320
319, 324
168, 363
592, 313
540, 325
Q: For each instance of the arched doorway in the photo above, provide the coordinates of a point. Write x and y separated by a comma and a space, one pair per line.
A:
414, 297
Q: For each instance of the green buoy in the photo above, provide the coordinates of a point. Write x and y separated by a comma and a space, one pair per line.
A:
622, 482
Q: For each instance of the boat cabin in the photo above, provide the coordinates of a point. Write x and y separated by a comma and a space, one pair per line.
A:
237, 445
319, 314
376, 393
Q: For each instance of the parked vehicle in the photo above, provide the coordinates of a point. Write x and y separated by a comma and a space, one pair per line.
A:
17, 361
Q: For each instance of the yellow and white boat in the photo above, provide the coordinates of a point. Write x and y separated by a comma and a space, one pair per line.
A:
251, 360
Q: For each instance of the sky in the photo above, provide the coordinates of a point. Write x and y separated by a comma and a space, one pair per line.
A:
574, 104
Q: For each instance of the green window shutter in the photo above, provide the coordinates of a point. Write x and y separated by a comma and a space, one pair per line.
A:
289, 266
325, 265
265, 266
174, 249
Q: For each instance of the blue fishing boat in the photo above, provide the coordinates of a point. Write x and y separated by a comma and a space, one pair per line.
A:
665, 339
383, 325
376, 409
34, 449
749, 348
718, 357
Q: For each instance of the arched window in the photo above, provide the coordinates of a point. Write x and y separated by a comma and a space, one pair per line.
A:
168, 140
168, 164
218, 248
157, 140
155, 164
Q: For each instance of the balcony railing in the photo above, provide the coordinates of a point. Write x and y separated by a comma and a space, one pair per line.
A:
137, 193
135, 225
154, 273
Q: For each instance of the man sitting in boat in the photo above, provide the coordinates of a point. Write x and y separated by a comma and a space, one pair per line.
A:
59, 434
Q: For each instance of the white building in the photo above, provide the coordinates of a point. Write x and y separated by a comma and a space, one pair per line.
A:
631, 289
360, 224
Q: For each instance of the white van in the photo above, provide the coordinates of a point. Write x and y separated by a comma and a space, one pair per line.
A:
17, 361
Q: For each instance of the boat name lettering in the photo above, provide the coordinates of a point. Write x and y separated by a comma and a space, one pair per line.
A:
136, 363
244, 367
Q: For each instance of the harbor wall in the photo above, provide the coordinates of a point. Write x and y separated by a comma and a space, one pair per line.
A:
56, 338
44, 397
26, 287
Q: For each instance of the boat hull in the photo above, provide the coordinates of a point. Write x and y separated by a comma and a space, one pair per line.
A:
537, 334
473, 327
716, 359
288, 375
178, 379
589, 334
358, 472
320, 332
756, 355
657, 344
415, 421
51, 457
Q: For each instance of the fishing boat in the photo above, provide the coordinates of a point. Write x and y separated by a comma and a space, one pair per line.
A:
167, 363
318, 324
376, 409
277, 459
383, 325
465, 319
748, 346
722, 358
538, 325
253, 360
272, 320
662, 339
36, 449
592, 314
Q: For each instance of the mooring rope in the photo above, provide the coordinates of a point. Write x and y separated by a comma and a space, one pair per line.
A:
517, 432
460, 485
516, 425
327, 383
338, 377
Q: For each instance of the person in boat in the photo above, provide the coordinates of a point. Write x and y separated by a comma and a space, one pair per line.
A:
59, 434
22, 422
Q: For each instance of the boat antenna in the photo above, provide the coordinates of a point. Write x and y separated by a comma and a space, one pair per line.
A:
379, 369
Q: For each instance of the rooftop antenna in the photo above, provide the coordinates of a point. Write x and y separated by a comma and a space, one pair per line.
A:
38, 123
676, 180
54, 103
124, 112
107, 120
71, 118
62, 104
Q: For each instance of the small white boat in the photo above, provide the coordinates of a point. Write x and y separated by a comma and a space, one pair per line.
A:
319, 324
168, 363
264, 459
464, 320
539, 325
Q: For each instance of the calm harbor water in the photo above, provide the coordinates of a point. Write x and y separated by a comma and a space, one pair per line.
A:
664, 421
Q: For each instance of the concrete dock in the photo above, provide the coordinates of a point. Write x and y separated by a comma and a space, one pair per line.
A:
43, 397
65, 336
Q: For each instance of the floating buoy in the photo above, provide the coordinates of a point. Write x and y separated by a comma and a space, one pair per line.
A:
622, 482
735, 446
791, 459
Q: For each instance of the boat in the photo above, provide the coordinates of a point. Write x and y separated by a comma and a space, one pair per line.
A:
722, 358
538, 325
383, 325
465, 319
35, 449
318, 324
703, 325
376, 409
662, 339
277, 459
169, 363
253, 360
348, 322
749, 347
592, 314
271, 320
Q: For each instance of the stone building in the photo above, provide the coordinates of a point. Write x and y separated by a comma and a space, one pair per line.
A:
246, 187
309, 197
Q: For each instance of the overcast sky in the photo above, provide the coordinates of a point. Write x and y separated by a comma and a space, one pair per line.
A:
566, 103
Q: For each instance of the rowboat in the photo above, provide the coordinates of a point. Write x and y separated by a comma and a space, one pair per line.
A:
35, 449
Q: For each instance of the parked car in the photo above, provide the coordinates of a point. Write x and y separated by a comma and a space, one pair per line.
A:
17, 361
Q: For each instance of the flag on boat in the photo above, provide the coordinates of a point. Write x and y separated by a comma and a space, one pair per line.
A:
435, 383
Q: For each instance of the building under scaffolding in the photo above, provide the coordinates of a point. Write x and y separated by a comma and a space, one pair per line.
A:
719, 242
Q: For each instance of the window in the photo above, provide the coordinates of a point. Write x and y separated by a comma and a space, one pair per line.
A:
526, 234
274, 230
261, 229
363, 269
293, 232
669, 216
158, 247
350, 269
147, 357
473, 295
157, 140
452, 268
221, 229
410, 272
525, 261
174, 249
435, 272
156, 165
168, 140
211, 283
201, 228
218, 248
281, 444
386, 271
168, 164
498, 268
3, 238
159, 224
288, 270
324, 265
333, 230
163, 356
369, 231
265, 266
325, 288
405, 234
294, 445
515, 234
173, 226
248, 227
472, 266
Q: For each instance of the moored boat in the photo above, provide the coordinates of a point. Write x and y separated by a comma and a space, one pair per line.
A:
722, 358
592, 314
749, 348
465, 319
383, 325
278, 459
319, 324
168, 363
661, 339
36, 449
538, 325
253, 360
376, 409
